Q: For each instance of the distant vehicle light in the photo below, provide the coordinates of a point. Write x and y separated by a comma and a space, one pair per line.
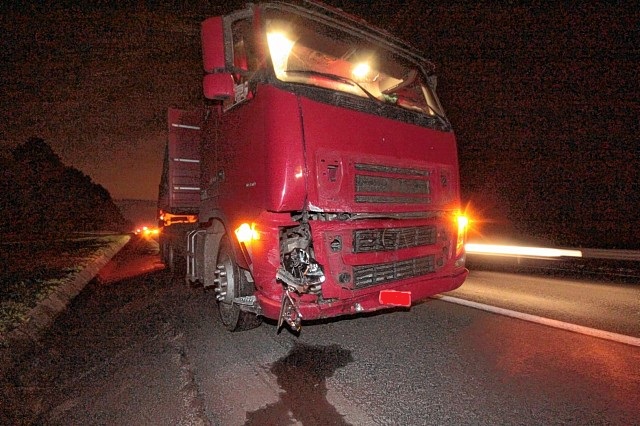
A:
146, 231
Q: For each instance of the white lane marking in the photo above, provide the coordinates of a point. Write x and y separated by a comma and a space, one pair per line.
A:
594, 332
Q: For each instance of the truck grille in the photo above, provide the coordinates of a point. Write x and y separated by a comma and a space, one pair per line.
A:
376, 183
369, 240
391, 169
369, 275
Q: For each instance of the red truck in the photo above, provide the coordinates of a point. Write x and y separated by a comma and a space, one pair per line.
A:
319, 179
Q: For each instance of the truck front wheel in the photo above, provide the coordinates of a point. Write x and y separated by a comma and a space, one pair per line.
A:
231, 282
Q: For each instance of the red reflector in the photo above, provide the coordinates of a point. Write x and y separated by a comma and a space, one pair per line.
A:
395, 298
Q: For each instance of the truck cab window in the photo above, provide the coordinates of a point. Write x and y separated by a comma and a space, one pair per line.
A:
313, 53
245, 60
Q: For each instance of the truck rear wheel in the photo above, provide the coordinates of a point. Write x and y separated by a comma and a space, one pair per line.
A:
172, 253
169, 256
231, 282
166, 251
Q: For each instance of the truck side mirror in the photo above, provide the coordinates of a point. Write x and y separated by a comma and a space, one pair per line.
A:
217, 83
213, 56
218, 86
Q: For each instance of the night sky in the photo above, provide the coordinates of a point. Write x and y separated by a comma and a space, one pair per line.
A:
544, 99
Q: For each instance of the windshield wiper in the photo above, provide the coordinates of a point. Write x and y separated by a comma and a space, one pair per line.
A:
439, 116
341, 79
347, 80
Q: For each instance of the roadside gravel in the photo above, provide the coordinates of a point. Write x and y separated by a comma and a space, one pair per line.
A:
15, 339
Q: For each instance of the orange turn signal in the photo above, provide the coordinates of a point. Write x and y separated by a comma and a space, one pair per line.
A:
246, 233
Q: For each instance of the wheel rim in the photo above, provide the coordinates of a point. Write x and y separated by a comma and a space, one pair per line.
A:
225, 283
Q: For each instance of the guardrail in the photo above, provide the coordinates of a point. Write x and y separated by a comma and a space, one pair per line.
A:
632, 255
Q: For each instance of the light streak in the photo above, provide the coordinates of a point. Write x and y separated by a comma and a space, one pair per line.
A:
504, 250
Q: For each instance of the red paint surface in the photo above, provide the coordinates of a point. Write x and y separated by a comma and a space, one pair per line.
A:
395, 298
275, 150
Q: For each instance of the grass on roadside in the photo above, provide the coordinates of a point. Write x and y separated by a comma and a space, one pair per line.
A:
30, 271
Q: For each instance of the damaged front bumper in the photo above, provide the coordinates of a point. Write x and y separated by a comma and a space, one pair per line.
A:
369, 301
334, 268
314, 268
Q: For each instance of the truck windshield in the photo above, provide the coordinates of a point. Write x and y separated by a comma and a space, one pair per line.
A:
312, 53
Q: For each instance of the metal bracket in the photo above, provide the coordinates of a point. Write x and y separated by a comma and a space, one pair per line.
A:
191, 275
289, 312
291, 281
249, 304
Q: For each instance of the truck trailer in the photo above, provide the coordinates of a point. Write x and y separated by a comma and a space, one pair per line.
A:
319, 177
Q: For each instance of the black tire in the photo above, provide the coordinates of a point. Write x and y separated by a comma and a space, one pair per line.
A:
162, 247
173, 259
231, 283
167, 254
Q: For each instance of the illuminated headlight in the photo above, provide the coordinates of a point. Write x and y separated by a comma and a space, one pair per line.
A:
361, 70
280, 46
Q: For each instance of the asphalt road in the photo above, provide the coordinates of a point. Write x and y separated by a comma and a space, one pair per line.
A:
150, 350
595, 303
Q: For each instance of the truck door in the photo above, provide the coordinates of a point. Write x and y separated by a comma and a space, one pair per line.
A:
239, 168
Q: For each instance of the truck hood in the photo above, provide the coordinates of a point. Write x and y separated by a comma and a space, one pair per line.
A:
358, 162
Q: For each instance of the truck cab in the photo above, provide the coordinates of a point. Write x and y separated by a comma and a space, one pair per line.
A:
320, 177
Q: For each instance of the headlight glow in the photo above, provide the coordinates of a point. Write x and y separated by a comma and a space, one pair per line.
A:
361, 70
280, 47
